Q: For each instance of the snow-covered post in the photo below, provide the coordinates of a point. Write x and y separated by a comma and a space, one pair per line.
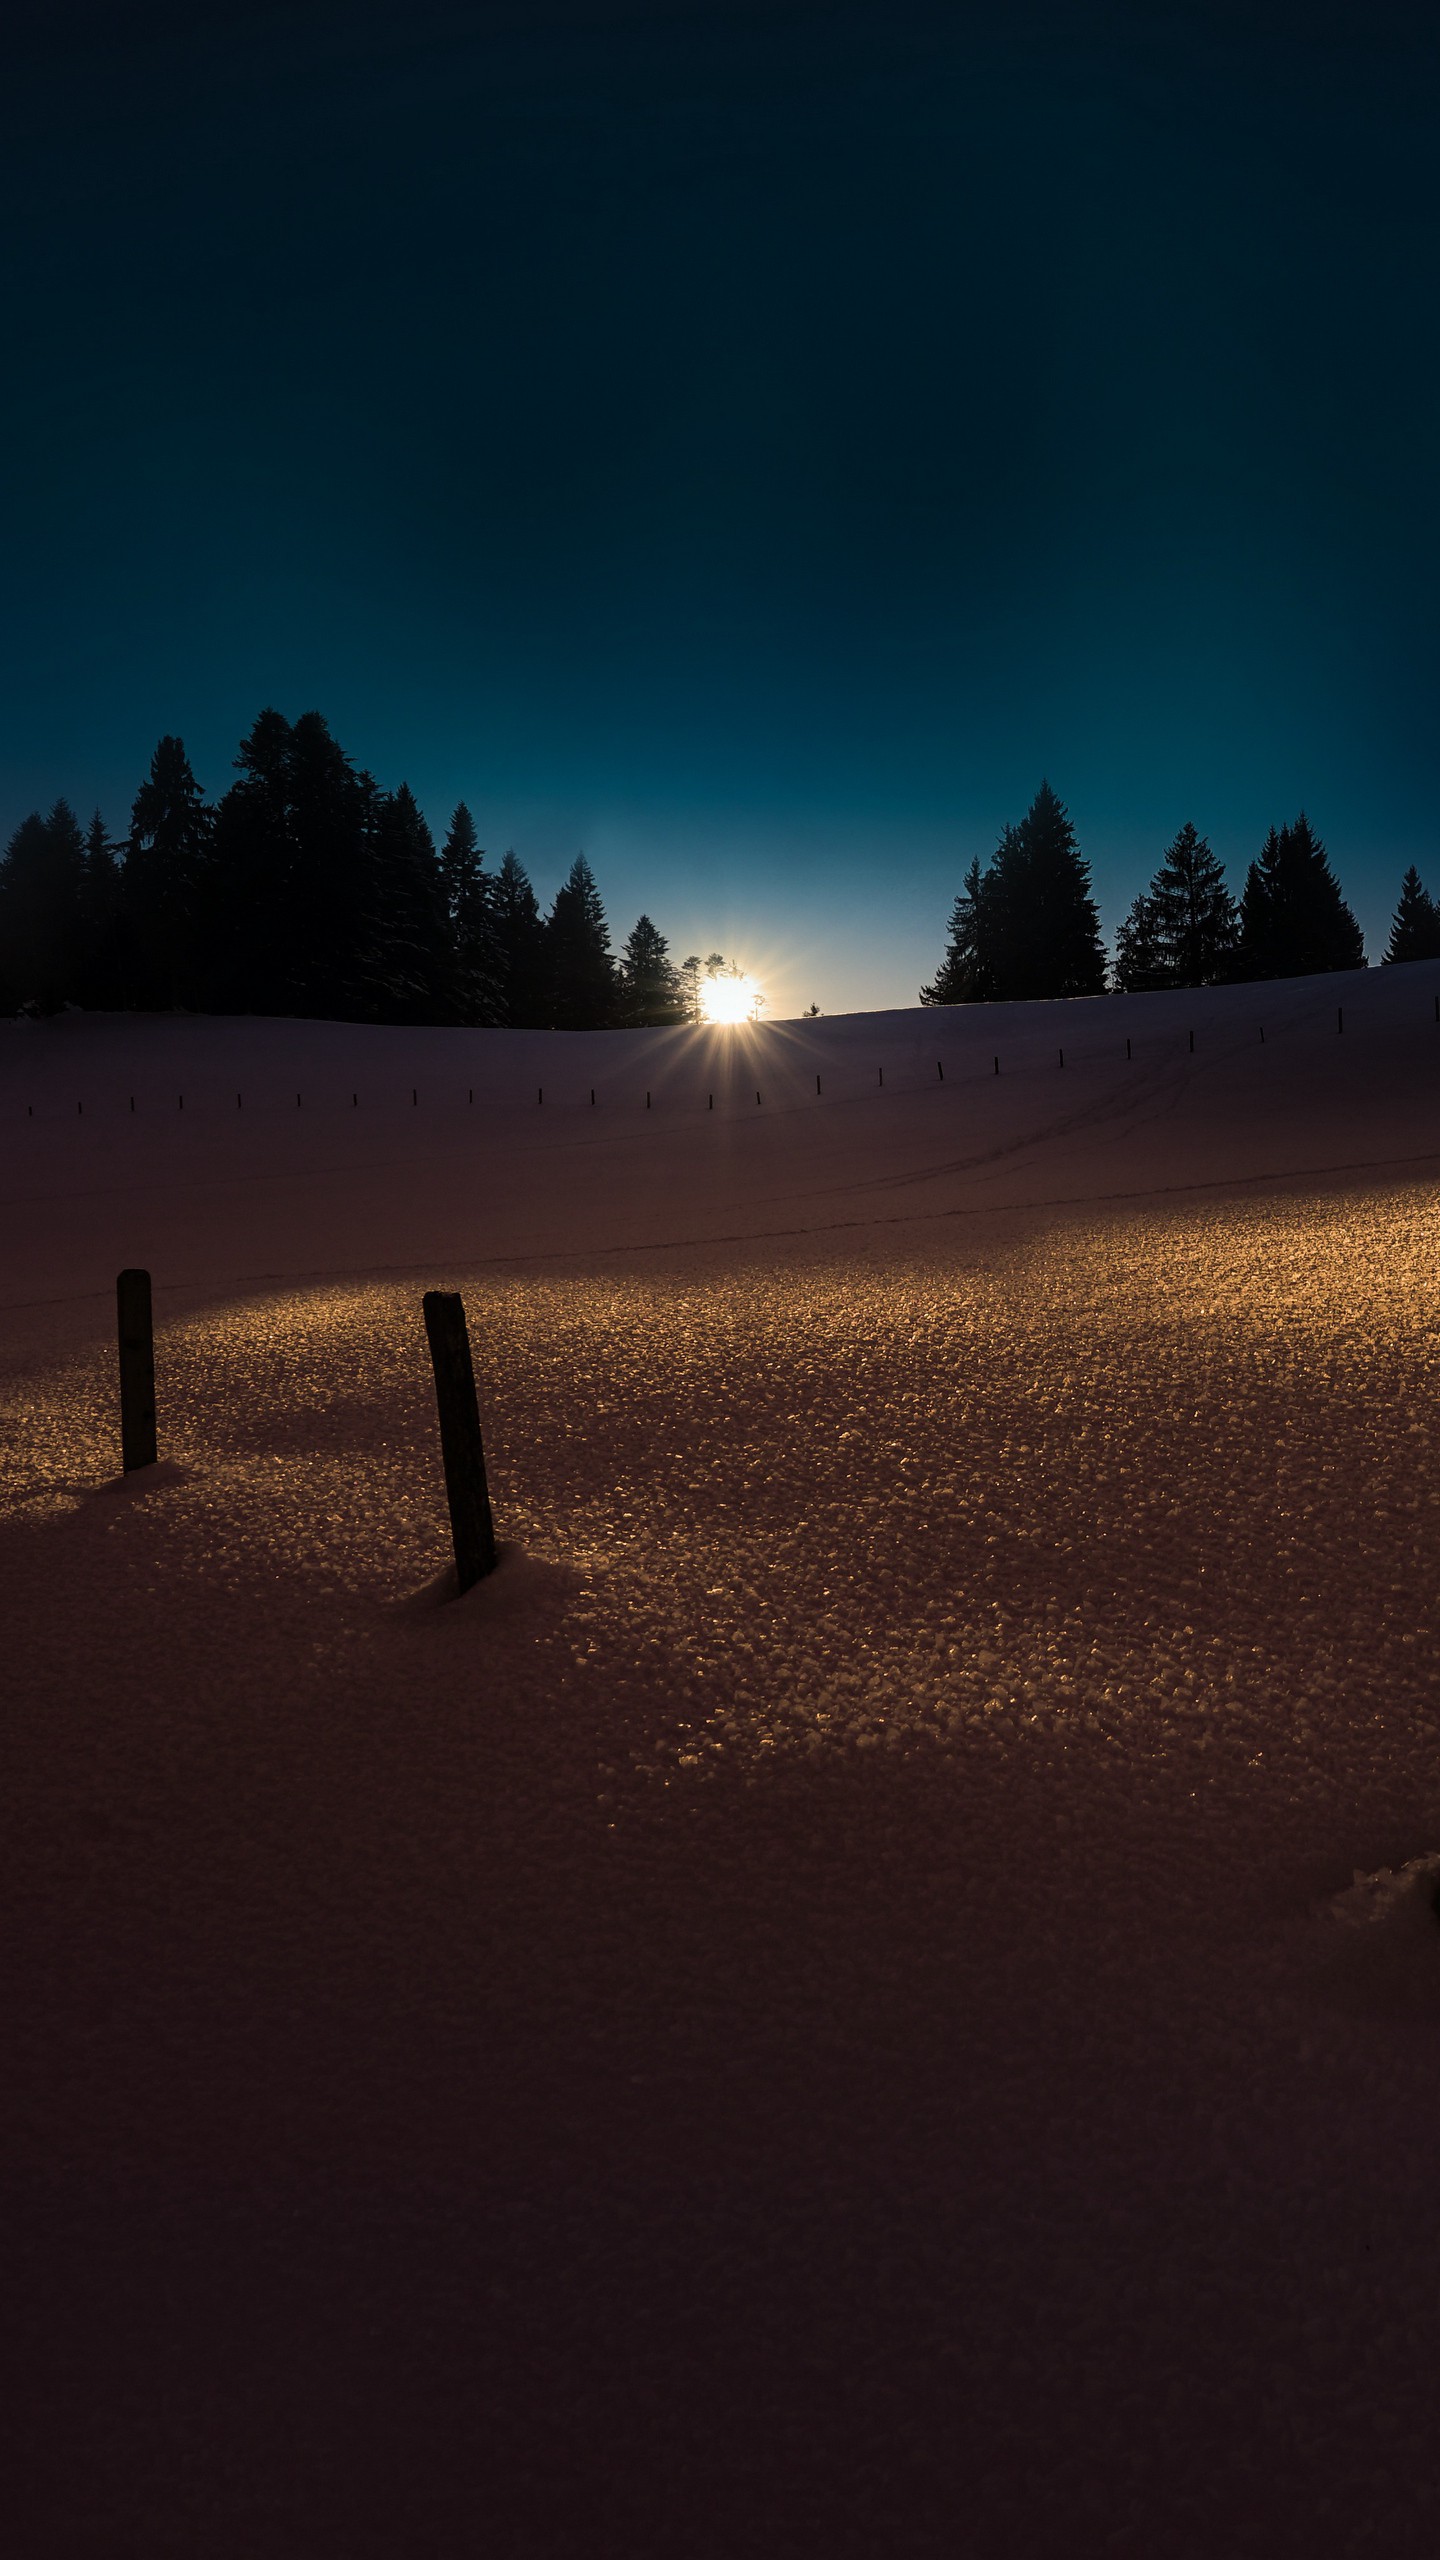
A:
137, 1370
471, 1525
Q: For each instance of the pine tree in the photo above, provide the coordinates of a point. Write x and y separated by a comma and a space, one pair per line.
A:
294, 863
1027, 926
689, 976
26, 978
519, 946
100, 900
1141, 961
406, 972
1415, 932
469, 895
334, 824
1294, 923
579, 968
1049, 926
165, 885
963, 976
1182, 931
255, 860
1195, 916
649, 990
42, 886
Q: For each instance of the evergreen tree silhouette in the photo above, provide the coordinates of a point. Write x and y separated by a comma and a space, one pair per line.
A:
332, 903
26, 974
406, 972
1048, 926
1195, 913
294, 862
1141, 962
255, 862
580, 971
470, 903
1294, 923
649, 988
1415, 930
964, 975
1183, 930
165, 885
42, 890
102, 889
1027, 926
519, 948
688, 976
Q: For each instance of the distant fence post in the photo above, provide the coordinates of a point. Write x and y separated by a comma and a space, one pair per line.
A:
136, 1330
471, 1525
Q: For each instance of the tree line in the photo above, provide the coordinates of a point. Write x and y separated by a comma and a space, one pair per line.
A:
306, 889
1026, 925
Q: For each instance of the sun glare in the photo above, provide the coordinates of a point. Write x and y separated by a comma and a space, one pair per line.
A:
728, 999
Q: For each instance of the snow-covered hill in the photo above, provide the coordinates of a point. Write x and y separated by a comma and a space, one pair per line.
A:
825, 2009
307, 1148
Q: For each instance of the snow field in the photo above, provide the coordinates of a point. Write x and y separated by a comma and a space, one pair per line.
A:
822, 2009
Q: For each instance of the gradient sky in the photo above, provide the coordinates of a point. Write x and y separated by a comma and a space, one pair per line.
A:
752, 444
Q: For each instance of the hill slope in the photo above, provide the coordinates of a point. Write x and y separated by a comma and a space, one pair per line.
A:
821, 2010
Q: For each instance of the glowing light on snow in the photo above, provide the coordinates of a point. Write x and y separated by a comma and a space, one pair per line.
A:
730, 997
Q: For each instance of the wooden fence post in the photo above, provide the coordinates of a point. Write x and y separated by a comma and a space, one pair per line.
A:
137, 1370
471, 1525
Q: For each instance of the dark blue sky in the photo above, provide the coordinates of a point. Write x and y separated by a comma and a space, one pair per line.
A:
753, 444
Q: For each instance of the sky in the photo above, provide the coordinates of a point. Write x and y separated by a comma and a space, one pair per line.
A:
752, 445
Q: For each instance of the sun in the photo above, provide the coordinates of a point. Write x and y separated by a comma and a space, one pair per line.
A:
729, 998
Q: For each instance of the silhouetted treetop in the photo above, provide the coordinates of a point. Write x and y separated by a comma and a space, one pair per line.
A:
1183, 930
579, 968
1293, 920
1027, 926
648, 983
1415, 928
519, 946
168, 885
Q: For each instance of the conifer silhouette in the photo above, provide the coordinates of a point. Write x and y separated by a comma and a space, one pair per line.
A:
99, 973
406, 966
1140, 959
166, 885
42, 888
1027, 926
1183, 930
519, 947
648, 983
1294, 923
579, 968
469, 895
963, 976
1415, 929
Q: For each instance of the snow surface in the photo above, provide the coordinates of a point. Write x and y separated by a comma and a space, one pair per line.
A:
876, 1990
